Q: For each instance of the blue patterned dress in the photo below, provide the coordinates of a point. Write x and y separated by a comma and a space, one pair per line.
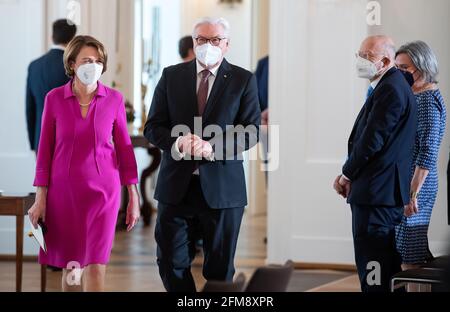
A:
412, 233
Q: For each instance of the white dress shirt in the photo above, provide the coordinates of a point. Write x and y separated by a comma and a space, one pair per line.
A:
57, 47
375, 83
211, 80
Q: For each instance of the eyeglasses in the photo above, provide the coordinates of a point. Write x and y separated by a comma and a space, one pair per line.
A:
214, 41
367, 55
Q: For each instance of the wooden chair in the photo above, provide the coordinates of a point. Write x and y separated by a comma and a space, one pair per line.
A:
219, 286
271, 278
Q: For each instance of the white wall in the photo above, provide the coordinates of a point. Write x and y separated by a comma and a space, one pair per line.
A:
315, 96
22, 35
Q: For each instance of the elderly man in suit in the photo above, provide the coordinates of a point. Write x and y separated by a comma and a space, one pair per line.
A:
201, 184
376, 176
45, 74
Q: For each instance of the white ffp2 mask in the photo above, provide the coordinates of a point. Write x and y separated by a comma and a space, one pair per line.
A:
89, 73
208, 54
366, 69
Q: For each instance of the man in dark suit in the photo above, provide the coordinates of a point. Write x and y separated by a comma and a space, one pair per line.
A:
45, 74
186, 49
376, 176
262, 78
448, 192
201, 183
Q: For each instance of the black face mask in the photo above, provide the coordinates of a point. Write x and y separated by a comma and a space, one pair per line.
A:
408, 76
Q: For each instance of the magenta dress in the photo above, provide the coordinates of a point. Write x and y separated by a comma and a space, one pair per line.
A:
83, 162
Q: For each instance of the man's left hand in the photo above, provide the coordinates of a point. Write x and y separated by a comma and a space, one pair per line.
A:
207, 150
345, 185
337, 187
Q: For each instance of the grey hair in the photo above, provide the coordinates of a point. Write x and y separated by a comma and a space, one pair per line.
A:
213, 21
423, 59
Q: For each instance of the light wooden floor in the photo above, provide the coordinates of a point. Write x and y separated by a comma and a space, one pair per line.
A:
133, 265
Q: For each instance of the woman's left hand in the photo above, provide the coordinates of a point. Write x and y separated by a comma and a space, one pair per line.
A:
133, 209
414, 205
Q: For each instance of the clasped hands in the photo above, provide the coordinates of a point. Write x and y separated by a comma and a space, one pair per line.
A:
193, 145
342, 186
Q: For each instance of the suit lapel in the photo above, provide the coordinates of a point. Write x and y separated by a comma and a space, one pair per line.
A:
191, 76
220, 83
369, 100
361, 113
364, 108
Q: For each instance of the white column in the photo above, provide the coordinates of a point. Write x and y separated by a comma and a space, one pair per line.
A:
257, 186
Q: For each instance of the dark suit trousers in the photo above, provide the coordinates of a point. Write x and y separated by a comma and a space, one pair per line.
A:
376, 255
448, 192
176, 232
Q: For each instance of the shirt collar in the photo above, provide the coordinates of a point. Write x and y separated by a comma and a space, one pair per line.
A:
57, 47
213, 70
377, 81
68, 92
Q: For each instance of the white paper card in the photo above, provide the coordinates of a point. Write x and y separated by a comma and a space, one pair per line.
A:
38, 235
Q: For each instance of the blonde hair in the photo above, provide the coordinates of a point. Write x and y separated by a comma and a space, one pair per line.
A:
74, 47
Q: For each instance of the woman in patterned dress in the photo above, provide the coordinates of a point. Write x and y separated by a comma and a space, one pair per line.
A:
417, 59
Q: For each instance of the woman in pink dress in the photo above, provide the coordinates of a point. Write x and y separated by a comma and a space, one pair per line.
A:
84, 156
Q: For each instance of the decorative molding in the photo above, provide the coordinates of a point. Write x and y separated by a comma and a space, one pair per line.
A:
16, 155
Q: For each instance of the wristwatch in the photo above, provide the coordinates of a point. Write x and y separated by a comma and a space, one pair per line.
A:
413, 195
